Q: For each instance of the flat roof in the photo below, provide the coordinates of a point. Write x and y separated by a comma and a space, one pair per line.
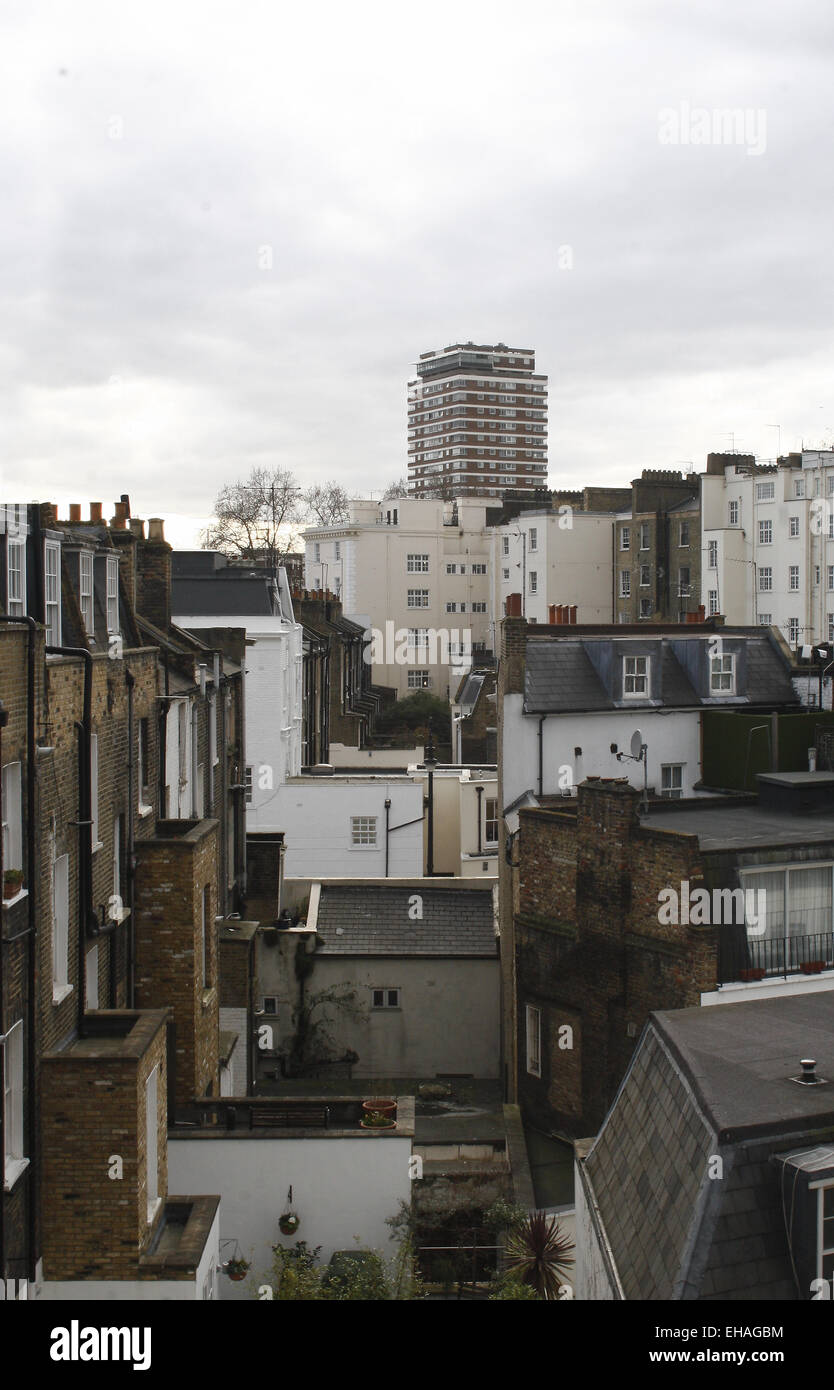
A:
742, 1058
735, 827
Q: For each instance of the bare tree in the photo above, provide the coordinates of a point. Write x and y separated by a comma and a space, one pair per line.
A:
256, 519
326, 503
399, 488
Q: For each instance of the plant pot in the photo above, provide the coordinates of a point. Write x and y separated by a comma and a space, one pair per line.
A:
288, 1225
390, 1123
755, 974
237, 1272
380, 1107
812, 967
11, 890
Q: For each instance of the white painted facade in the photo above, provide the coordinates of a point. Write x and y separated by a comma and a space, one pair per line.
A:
673, 738
366, 563
343, 1190
769, 559
549, 557
336, 826
272, 684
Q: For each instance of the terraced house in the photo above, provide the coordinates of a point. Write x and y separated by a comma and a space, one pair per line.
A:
122, 845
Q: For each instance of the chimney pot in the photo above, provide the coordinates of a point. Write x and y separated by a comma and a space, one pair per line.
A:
75, 511
156, 529
137, 527
95, 511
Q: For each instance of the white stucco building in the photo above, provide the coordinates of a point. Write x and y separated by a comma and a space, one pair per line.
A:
768, 543
408, 569
554, 557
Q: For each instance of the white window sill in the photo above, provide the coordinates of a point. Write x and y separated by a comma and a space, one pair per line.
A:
15, 1167
99, 844
10, 902
144, 811
153, 1208
60, 993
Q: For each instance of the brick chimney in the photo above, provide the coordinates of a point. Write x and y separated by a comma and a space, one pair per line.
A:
606, 817
75, 511
95, 511
513, 654
153, 576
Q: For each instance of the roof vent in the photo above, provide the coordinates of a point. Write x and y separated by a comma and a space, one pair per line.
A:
809, 1073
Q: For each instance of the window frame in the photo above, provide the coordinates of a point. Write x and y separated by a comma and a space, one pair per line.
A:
362, 826
16, 603
636, 675
14, 1131
52, 591
670, 789
533, 1039
112, 594
86, 590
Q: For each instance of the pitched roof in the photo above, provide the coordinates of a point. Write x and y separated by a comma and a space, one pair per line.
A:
375, 921
224, 595
706, 1082
574, 673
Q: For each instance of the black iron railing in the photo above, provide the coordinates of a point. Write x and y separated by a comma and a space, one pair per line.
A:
756, 958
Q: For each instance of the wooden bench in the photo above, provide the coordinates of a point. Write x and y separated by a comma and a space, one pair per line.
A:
285, 1117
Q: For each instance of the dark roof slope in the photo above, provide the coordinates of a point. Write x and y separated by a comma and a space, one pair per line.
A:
224, 596
374, 921
709, 1083
573, 673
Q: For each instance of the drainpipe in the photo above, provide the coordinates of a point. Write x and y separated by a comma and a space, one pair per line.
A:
387, 830
31, 1097
480, 792
130, 857
195, 716
542, 718
162, 738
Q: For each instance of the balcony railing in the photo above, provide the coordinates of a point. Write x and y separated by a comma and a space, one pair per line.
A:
758, 958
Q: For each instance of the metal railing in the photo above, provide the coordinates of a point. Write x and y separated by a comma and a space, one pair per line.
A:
761, 957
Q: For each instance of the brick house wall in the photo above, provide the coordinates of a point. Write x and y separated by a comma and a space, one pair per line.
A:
173, 870
590, 953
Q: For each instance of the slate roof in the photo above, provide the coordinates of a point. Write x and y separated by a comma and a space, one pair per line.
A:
706, 1082
564, 674
374, 921
223, 595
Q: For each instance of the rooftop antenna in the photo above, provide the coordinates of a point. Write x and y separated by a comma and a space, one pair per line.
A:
639, 749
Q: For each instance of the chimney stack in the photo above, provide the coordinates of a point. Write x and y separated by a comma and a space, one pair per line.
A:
153, 576
95, 511
75, 511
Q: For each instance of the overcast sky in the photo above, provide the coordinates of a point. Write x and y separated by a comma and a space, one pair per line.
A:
416, 176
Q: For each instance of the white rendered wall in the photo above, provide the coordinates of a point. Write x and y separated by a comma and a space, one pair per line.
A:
315, 815
343, 1190
671, 738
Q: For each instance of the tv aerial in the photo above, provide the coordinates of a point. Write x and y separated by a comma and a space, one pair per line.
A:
638, 754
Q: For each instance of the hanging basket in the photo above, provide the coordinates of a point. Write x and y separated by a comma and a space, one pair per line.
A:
237, 1270
288, 1223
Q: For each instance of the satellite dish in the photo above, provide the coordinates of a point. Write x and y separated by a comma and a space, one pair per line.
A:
636, 744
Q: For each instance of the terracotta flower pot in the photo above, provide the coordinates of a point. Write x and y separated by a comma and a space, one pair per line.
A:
812, 967
380, 1107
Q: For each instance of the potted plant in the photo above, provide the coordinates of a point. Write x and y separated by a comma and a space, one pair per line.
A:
375, 1119
237, 1268
380, 1107
288, 1223
812, 967
12, 883
754, 973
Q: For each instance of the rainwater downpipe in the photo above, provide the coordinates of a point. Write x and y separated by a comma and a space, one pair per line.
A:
480, 792
542, 718
195, 715
31, 837
130, 682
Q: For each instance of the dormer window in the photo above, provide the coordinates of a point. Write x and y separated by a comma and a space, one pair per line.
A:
722, 679
85, 589
112, 594
635, 677
52, 591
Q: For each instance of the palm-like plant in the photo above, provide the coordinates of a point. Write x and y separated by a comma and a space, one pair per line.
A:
539, 1254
